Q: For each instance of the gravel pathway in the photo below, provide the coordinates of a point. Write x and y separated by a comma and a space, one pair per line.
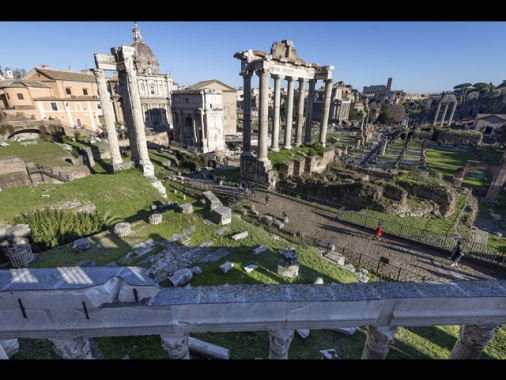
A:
323, 225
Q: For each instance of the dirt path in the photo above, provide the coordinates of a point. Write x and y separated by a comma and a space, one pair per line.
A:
401, 253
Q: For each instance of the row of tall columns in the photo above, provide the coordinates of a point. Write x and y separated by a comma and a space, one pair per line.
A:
471, 343
445, 112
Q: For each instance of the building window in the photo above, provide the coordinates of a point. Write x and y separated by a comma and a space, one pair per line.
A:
54, 107
152, 88
85, 91
99, 106
20, 96
68, 91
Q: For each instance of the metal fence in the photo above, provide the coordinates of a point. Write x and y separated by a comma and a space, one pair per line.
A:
476, 250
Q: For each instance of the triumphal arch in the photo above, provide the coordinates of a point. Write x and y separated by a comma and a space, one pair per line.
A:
281, 64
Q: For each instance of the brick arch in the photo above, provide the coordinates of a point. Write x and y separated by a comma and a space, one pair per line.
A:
498, 175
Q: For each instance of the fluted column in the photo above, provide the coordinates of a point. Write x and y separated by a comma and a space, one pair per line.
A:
108, 111
72, 348
309, 111
300, 112
325, 111
276, 110
263, 117
177, 345
472, 341
246, 134
289, 114
378, 342
279, 343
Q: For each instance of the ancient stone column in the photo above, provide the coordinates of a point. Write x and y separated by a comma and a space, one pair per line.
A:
122, 229
444, 113
126, 64
309, 111
300, 112
72, 348
472, 341
378, 342
176, 345
276, 111
127, 113
246, 134
289, 113
107, 110
437, 113
453, 112
279, 343
263, 117
325, 111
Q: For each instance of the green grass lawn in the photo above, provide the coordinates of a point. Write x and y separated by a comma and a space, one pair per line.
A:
127, 196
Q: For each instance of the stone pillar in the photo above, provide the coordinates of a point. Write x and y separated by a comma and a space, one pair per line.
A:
72, 348
129, 120
276, 110
289, 114
246, 135
279, 343
383, 147
300, 112
263, 117
176, 345
472, 341
444, 113
378, 342
453, 112
108, 111
437, 113
325, 111
309, 111
126, 64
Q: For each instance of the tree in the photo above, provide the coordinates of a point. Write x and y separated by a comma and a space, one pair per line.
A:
463, 88
396, 113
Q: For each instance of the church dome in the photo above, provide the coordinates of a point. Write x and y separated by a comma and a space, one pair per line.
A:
144, 59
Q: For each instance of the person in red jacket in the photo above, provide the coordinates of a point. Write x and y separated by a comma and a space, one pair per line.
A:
378, 231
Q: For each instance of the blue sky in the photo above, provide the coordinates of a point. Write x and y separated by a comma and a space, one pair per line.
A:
420, 57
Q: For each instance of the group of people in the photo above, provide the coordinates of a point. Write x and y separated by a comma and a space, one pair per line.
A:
456, 256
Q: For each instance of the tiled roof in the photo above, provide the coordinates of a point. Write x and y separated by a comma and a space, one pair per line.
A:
67, 75
19, 83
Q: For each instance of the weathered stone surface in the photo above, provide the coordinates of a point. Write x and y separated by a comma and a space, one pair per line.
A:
181, 277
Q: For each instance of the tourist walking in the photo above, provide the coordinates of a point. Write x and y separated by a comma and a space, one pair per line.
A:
267, 197
378, 231
457, 254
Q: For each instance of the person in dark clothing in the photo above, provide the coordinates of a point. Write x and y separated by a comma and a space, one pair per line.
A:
267, 197
457, 254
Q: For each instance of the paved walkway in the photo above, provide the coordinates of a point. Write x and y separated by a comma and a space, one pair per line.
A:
323, 225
